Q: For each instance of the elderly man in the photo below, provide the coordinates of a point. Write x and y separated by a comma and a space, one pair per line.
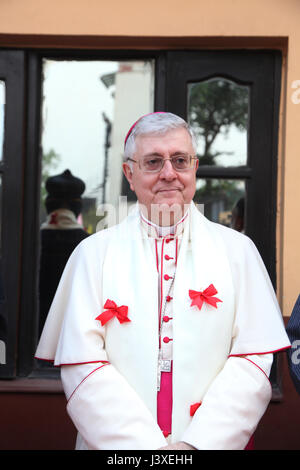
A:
164, 325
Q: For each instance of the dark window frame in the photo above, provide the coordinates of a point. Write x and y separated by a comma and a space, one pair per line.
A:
11, 168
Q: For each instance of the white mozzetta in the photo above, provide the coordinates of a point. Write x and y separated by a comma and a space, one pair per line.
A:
119, 264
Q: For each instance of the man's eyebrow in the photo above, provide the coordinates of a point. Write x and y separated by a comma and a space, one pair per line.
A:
152, 154
157, 154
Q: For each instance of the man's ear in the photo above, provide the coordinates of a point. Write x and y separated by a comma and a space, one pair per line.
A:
128, 175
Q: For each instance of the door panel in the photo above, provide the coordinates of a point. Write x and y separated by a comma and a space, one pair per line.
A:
11, 143
252, 183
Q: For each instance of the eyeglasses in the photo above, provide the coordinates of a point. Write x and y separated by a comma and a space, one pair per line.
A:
154, 164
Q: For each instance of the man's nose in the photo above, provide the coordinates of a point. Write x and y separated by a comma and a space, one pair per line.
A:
167, 171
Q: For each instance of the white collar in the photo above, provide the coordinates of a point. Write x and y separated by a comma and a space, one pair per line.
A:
156, 231
61, 219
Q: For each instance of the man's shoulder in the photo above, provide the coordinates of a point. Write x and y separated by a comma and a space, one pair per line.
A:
229, 236
97, 241
240, 250
232, 239
228, 232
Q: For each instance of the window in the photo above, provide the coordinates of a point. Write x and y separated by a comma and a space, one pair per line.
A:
79, 106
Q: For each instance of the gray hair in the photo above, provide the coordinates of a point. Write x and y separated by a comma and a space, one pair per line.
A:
155, 123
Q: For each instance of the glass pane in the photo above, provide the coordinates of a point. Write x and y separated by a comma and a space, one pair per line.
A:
2, 117
218, 113
223, 201
88, 108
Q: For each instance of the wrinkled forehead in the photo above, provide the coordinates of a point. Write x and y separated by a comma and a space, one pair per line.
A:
172, 141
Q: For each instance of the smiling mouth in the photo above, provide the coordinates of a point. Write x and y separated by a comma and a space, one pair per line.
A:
168, 190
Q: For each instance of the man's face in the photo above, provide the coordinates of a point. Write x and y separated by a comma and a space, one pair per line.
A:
168, 187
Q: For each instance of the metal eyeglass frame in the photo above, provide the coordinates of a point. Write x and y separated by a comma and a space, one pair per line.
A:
163, 160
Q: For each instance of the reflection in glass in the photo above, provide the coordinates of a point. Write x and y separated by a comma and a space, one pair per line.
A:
2, 117
223, 201
218, 113
60, 233
87, 109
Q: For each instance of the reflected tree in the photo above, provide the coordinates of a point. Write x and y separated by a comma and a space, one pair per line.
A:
214, 106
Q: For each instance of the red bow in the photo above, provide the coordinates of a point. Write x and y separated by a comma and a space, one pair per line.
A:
53, 220
205, 296
113, 311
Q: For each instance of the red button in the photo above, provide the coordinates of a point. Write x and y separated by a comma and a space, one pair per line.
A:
166, 277
166, 318
168, 240
166, 339
167, 257
168, 298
